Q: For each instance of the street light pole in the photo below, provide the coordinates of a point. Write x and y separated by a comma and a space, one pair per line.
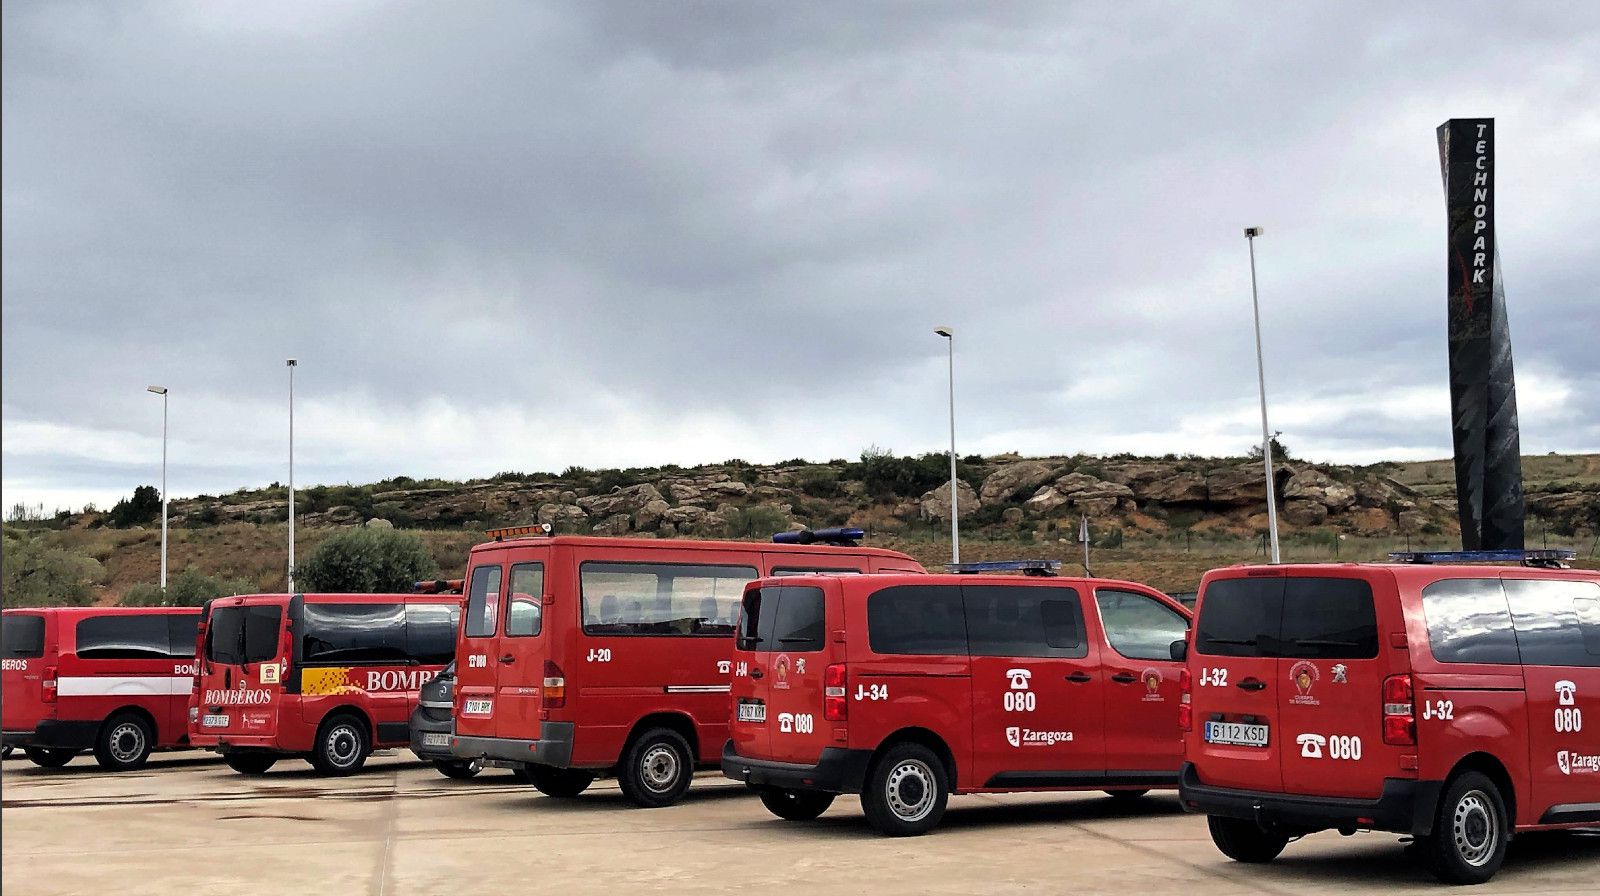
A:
292, 362
955, 518
162, 391
1250, 234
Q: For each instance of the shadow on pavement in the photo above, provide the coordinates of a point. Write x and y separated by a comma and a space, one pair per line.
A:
1384, 858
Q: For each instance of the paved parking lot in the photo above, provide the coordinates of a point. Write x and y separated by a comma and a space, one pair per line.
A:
187, 824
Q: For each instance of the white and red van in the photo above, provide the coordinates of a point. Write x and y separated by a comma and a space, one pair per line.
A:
906, 689
583, 656
1459, 704
329, 677
112, 680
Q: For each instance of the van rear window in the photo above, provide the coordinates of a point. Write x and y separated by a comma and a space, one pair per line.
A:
21, 636
787, 618
1296, 617
240, 635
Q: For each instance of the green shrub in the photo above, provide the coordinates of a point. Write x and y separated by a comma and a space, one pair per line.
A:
367, 561
189, 588
39, 576
818, 482
144, 507
887, 476
755, 522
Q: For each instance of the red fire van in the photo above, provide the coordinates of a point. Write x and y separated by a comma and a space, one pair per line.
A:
1444, 701
584, 656
114, 680
907, 689
326, 676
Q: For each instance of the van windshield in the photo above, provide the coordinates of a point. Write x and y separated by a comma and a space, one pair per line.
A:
21, 636
1295, 618
242, 635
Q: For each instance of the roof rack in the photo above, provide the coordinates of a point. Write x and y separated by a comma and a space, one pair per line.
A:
1543, 558
1026, 567
839, 536
536, 530
438, 586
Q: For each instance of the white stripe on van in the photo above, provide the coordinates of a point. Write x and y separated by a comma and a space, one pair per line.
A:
699, 688
109, 685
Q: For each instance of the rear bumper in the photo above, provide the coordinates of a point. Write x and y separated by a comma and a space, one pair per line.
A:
1404, 806
553, 748
837, 771
54, 734
224, 743
420, 725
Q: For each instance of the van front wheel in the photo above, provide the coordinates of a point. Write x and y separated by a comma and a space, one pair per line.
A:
1245, 841
906, 791
796, 805
656, 769
45, 757
1470, 831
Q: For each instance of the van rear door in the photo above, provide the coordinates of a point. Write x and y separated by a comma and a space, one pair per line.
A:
522, 650
750, 689
22, 664
1331, 668
242, 668
794, 663
1237, 735
478, 652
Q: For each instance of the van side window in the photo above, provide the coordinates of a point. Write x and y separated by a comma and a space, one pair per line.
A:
182, 630
926, 620
125, 638
1007, 621
1550, 629
524, 601
483, 601
1469, 622
661, 598
431, 632
22, 636
353, 634
1138, 626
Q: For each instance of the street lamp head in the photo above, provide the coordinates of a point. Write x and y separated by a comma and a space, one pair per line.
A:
293, 361
946, 332
1253, 232
159, 390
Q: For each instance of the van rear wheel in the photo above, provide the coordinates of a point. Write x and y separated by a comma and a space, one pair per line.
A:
250, 763
342, 746
459, 769
1245, 841
656, 769
124, 743
1470, 831
45, 757
796, 805
906, 791
561, 783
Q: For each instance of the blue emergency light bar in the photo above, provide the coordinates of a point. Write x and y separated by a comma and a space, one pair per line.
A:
1026, 567
1548, 557
839, 536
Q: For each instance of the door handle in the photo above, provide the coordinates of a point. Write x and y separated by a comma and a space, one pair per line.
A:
1080, 677
756, 673
1253, 684
1125, 677
507, 658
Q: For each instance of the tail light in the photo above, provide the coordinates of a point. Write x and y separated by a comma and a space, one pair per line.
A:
47, 691
555, 686
1185, 706
835, 705
1399, 711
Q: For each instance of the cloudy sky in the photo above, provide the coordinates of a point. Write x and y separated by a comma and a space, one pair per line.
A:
519, 236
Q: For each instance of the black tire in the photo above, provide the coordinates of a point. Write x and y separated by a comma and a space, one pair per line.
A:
45, 757
252, 764
1470, 831
796, 805
5, 752
342, 745
124, 742
906, 791
656, 769
522, 774
459, 769
1243, 840
1125, 796
560, 783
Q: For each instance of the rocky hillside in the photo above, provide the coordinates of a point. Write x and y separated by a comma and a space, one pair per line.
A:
1005, 496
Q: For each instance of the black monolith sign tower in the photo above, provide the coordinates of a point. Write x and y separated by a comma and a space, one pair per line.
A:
1483, 390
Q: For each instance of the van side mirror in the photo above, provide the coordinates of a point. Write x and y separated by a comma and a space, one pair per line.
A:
1179, 650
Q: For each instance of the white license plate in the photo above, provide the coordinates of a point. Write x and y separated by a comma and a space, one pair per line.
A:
436, 740
1236, 733
752, 712
212, 721
477, 707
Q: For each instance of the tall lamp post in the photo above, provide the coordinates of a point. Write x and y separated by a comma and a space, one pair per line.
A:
955, 518
291, 362
162, 391
1250, 234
